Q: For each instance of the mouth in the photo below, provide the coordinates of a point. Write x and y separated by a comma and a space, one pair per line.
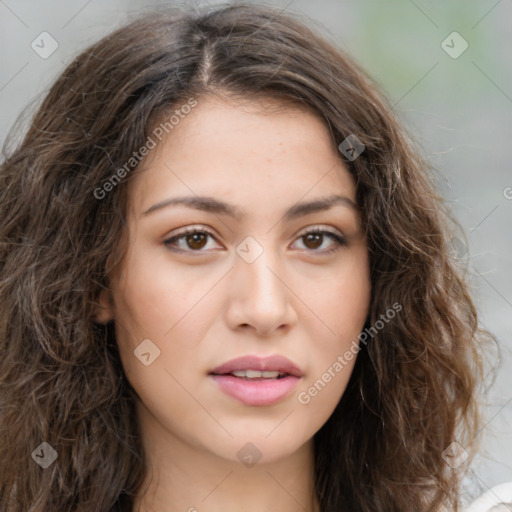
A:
256, 381
255, 375
253, 367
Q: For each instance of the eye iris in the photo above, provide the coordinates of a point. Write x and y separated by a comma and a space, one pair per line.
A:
194, 237
316, 237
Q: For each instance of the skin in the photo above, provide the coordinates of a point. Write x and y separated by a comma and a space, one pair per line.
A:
202, 309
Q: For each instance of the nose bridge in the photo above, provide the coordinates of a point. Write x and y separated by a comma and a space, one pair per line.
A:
258, 261
260, 295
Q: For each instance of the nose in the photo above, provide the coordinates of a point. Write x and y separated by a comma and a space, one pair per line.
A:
260, 296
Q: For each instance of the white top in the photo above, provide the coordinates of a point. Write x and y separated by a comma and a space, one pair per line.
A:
496, 499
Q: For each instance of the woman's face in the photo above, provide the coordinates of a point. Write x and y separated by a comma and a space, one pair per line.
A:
250, 284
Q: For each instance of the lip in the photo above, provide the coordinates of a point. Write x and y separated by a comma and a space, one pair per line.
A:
257, 392
272, 363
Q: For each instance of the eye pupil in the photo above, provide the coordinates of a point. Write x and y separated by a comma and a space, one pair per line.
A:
315, 237
196, 244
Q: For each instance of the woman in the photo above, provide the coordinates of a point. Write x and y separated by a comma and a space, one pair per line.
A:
226, 282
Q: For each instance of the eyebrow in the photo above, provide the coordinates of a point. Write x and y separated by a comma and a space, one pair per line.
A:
211, 205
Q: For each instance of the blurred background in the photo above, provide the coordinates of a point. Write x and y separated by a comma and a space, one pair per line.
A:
446, 69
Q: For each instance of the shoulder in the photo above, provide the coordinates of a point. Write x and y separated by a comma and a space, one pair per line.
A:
496, 499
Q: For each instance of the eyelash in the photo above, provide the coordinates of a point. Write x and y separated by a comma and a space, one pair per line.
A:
340, 241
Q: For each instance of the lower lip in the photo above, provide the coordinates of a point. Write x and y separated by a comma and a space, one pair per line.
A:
256, 392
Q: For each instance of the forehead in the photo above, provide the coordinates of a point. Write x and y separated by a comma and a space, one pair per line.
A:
244, 148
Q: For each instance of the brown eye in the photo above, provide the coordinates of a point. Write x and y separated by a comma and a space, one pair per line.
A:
196, 240
313, 240
190, 240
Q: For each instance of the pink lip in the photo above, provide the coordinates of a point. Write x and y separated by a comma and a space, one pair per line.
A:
261, 391
257, 392
272, 363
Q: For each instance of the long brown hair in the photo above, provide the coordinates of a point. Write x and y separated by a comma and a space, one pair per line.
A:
413, 390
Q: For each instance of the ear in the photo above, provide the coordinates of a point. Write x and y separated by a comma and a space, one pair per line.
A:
104, 309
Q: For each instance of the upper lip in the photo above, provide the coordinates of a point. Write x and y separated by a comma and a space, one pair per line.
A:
272, 363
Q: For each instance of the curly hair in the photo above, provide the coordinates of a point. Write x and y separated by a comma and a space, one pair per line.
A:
413, 390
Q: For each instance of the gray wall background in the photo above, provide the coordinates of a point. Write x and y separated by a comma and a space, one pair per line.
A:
459, 110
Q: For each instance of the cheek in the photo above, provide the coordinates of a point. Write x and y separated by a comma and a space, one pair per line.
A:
157, 324
150, 296
342, 302
340, 307
164, 306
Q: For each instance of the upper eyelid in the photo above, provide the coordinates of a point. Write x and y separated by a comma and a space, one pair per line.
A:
316, 227
189, 229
